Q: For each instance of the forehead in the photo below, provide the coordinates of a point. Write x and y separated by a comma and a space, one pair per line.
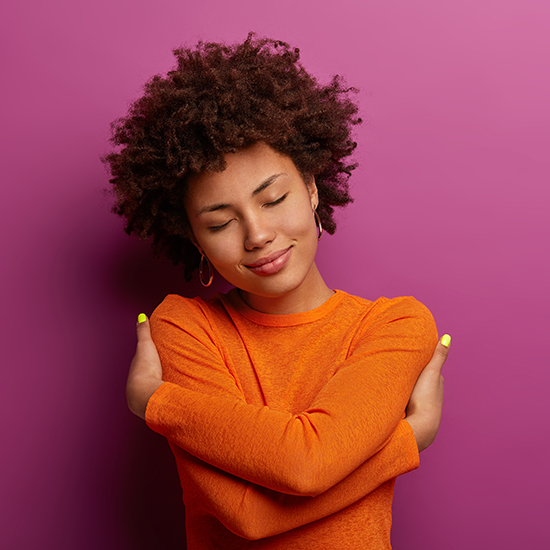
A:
246, 170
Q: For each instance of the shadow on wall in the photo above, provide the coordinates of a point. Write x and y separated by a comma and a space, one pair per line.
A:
149, 488
141, 280
153, 510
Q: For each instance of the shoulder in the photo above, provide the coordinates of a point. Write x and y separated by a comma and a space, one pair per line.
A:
176, 307
386, 309
389, 327
176, 310
404, 316
403, 307
191, 315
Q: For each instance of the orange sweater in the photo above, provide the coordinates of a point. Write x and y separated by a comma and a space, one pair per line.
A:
287, 429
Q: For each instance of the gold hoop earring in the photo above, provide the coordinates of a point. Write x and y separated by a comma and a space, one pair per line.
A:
201, 271
318, 223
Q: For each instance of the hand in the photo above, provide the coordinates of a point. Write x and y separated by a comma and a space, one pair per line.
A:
426, 401
145, 374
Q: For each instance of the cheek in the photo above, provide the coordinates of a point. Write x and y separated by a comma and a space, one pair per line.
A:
298, 223
222, 249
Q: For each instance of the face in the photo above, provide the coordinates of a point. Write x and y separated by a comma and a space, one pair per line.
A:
255, 223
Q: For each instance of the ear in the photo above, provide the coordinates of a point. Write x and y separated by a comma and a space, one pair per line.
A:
192, 238
197, 246
313, 193
199, 249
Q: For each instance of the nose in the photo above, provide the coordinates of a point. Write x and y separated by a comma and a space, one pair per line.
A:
258, 233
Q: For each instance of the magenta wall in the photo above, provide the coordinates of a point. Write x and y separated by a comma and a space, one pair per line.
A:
451, 207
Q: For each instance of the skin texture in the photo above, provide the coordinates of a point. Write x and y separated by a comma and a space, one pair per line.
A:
257, 208
426, 401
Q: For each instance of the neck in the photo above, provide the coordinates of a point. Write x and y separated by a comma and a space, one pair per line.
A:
312, 293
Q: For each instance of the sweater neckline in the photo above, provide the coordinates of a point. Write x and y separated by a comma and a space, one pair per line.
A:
285, 320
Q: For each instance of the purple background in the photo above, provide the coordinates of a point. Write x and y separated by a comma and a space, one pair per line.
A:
451, 207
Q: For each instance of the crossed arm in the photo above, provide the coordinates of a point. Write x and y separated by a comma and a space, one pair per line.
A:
305, 465
254, 512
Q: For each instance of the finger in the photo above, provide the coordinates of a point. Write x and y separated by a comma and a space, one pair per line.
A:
440, 353
141, 318
443, 346
143, 328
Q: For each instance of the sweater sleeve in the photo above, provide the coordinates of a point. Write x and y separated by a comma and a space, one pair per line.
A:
351, 419
254, 512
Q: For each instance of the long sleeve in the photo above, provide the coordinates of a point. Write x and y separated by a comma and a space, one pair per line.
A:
254, 512
351, 419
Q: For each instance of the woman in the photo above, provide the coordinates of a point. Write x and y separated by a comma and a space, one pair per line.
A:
283, 400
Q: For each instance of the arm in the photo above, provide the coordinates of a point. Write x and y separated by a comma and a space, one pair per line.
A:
253, 512
426, 402
350, 420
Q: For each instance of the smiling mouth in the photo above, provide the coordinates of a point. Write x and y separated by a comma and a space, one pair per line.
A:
271, 264
268, 259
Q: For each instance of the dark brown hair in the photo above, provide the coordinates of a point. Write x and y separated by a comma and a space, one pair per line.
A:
217, 100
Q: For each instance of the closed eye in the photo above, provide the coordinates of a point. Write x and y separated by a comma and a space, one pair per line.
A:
274, 203
278, 201
218, 227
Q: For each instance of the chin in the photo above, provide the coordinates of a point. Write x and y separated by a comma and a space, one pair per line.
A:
274, 286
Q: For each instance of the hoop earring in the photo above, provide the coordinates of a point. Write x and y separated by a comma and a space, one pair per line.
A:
201, 271
318, 223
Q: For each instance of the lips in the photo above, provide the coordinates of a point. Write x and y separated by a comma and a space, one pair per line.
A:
271, 264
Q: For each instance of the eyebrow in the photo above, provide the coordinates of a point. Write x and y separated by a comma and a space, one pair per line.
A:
266, 183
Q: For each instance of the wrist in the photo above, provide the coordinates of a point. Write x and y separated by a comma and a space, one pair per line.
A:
139, 390
424, 427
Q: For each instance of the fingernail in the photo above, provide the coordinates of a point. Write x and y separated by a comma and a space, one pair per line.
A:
141, 318
445, 340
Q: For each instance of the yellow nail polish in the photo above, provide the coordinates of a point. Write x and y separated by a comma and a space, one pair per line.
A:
445, 340
141, 318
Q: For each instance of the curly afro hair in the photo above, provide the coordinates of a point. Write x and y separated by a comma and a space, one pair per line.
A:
217, 100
